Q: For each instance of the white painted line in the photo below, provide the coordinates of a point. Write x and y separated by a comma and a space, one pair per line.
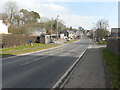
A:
39, 58
90, 46
34, 60
34, 52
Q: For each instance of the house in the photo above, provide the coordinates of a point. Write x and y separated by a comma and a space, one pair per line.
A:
3, 28
79, 33
36, 31
71, 34
68, 34
61, 35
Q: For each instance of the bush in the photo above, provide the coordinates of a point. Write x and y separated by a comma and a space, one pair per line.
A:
101, 43
17, 30
11, 40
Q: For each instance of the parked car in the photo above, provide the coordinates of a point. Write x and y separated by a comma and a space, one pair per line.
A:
52, 40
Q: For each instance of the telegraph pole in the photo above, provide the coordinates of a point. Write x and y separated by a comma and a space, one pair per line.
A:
57, 27
51, 27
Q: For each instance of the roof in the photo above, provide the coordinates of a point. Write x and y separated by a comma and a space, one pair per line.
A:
70, 31
37, 29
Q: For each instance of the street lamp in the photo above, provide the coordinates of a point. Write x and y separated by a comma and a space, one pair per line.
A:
57, 27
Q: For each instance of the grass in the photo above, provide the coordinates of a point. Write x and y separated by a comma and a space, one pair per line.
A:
112, 62
101, 43
70, 41
25, 49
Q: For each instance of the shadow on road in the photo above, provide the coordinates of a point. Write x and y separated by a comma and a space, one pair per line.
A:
37, 71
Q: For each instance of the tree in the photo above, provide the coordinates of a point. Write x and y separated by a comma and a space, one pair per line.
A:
29, 16
17, 19
11, 10
52, 25
70, 27
102, 24
101, 29
34, 16
24, 16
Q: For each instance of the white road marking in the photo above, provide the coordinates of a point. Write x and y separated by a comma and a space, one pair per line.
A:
39, 59
30, 57
35, 52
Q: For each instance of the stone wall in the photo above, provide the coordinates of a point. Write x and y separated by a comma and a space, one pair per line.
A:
113, 44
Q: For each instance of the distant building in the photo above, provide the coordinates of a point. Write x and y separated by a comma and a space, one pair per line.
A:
79, 33
62, 35
45, 39
67, 34
115, 32
80, 28
3, 28
71, 34
36, 31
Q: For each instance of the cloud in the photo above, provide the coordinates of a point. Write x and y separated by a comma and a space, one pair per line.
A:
45, 9
78, 0
83, 21
50, 9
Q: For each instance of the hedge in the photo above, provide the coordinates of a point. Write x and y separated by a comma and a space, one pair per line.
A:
12, 40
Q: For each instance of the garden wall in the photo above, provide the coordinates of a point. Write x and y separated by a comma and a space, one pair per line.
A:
114, 45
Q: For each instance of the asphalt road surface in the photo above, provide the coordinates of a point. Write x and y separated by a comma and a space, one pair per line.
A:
41, 69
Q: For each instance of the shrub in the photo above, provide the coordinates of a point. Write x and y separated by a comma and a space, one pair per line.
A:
11, 40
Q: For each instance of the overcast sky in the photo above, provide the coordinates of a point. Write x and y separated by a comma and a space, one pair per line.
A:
74, 13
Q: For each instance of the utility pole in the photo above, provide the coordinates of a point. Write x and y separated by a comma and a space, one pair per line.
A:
51, 26
57, 27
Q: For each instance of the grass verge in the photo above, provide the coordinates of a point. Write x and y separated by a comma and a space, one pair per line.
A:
25, 49
101, 43
112, 62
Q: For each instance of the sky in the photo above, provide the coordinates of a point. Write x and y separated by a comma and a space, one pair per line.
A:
75, 13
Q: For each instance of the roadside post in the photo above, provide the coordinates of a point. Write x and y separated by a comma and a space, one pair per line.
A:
30, 41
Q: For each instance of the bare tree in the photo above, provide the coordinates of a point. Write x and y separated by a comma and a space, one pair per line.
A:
11, 10
101, 29
102, 24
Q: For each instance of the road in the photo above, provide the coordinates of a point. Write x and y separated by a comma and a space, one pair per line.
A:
41, 69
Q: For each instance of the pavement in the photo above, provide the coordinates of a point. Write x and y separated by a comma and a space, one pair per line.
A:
90, 71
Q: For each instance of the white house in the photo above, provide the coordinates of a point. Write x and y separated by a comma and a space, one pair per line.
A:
71, 34
3, 28
62, 35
